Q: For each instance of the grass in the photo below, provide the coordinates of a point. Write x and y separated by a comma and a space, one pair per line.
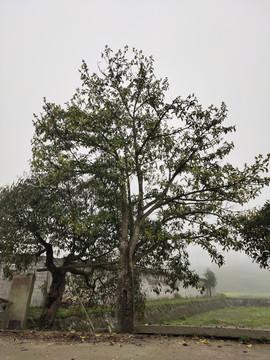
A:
71, 310
248, 295
178, 301
236, 316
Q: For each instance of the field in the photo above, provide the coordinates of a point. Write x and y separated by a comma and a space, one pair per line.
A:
248, 317
247, 295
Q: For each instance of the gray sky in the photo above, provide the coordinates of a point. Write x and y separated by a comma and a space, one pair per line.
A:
219, 50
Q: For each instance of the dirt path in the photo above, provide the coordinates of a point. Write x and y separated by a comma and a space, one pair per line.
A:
52, 346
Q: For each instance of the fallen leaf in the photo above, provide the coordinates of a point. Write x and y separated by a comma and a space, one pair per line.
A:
205, 342
249, 346
182, 343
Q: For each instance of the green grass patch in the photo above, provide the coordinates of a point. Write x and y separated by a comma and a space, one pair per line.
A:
247, 295
35, 312
236, 316
177, 301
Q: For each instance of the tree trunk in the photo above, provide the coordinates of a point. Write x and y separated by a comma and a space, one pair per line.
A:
53, 299
125, 281
125, 297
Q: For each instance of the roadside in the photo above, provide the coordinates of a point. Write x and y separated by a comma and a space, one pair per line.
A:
30, 345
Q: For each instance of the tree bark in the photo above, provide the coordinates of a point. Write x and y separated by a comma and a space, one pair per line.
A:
125, 280
53, 299
125, 296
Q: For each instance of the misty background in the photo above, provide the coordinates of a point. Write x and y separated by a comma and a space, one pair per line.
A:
218, 50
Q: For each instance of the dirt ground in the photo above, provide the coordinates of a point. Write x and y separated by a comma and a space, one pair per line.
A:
19, 345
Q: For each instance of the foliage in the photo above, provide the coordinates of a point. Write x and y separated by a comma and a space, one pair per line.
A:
255, 232
18, 212
99, 290
59, 218
158, 167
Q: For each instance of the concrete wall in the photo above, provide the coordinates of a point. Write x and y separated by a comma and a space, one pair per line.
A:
4, 284
150, 281
41, 279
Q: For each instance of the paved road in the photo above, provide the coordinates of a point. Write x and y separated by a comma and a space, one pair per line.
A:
128, 348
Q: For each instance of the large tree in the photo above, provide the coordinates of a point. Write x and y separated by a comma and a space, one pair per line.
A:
38, 217
157, 161
254, 229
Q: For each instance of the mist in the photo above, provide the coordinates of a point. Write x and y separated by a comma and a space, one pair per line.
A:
239, 274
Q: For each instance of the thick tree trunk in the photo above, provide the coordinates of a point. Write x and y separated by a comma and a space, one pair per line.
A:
125, 297
53, 299
125, 279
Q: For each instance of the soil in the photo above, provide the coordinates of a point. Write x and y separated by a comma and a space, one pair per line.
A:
32, 345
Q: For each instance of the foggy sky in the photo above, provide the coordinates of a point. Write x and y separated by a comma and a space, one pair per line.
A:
218, 50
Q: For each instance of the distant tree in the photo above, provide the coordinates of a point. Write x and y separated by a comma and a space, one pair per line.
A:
155, 160
210, 280
54, 220
255, 233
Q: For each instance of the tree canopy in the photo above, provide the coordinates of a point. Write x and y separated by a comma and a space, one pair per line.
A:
62, 218
55, 220
255, 233
158, 165
210, 278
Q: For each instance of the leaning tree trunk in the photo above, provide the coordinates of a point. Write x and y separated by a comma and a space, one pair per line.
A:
53, 299
125, 296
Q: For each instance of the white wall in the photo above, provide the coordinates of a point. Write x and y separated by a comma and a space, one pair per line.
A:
149, 282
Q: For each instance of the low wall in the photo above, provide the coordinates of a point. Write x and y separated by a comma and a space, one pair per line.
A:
248, 302
206, 331
168, 312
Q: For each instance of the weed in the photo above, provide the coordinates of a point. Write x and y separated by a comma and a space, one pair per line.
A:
212, 322
162, 321
244, 340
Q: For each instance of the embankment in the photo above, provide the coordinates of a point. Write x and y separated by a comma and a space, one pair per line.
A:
167, 312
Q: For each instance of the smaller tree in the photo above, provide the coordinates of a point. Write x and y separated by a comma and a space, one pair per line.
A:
38, 216
210, 280
254, 228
